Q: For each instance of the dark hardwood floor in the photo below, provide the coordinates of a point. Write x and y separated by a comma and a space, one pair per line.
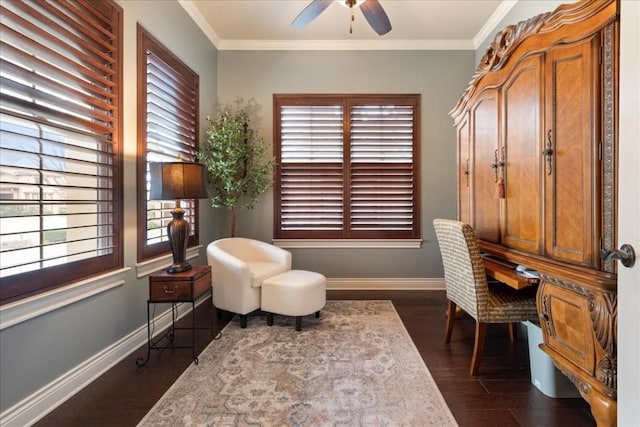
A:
502, 395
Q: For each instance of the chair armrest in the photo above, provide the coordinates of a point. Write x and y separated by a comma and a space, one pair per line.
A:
272, 253
225, 265
231, 282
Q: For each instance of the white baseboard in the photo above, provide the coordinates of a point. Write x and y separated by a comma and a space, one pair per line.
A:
36, 406
385, 284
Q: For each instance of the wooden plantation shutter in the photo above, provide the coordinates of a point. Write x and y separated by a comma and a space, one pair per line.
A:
60, 179
311, 172
346, 166
168, 114
382, 169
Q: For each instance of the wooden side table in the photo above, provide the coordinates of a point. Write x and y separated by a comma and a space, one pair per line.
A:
185, 287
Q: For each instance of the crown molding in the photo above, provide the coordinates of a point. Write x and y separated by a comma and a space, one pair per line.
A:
201, 22
328, 45
493, 22
346, 45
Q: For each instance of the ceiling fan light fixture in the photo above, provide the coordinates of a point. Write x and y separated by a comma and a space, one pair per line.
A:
350, 3
371, 9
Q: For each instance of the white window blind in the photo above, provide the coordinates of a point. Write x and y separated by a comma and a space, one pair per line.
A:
346, 166
60, 159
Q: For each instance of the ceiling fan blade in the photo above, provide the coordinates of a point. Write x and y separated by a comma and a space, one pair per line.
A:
311, 12
376, 16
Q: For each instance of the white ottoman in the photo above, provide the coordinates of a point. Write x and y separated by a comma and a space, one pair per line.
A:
294, 293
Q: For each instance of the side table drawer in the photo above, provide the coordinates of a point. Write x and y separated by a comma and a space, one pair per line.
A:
185, 286
170, 291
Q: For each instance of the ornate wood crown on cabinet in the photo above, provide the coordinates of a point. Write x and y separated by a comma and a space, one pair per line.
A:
536, 157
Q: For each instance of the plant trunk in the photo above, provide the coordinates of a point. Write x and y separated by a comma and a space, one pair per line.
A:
233, 221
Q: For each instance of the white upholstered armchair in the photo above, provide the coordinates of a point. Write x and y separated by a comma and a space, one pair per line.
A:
238, 267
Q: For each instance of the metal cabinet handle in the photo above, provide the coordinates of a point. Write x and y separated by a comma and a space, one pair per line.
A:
466, 172
497, 163
169, 290
626, 255
548, 152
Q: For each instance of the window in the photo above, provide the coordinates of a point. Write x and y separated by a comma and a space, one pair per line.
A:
60, 158
167, 132
346, 166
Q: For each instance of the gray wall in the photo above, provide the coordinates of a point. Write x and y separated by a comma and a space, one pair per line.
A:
36, 352
439, 76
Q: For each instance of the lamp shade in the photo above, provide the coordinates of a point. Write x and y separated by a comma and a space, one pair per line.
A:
177, 180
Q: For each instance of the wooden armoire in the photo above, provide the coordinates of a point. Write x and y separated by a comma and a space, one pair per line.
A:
537, 178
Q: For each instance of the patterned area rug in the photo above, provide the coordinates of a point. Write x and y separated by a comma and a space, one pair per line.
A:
355, 366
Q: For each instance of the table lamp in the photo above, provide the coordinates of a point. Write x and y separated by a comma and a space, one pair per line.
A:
177, 180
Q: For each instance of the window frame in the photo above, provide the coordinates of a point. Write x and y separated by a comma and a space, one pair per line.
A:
146, 41
347, 101
106, 17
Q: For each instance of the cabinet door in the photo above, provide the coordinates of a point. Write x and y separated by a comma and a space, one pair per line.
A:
570, 186
463, 179
566, 324
485, 136
523, 102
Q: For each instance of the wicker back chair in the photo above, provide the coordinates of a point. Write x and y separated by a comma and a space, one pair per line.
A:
467, 287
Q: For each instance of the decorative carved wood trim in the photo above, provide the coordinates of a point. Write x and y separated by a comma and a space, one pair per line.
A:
545, 316
604, 316
498, 52
507, 40
603, 308
608, 148
565, 284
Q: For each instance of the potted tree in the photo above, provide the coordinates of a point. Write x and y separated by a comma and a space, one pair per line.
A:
239, 168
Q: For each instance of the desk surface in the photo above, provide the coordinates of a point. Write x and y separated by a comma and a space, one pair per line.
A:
508, 276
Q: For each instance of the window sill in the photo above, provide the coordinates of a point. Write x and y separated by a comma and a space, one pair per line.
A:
151, 266
349, 243
29, 308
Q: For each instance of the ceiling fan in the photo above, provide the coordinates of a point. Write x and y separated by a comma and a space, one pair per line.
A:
371, 9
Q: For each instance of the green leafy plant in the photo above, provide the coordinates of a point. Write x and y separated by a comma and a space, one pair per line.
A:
239, 167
